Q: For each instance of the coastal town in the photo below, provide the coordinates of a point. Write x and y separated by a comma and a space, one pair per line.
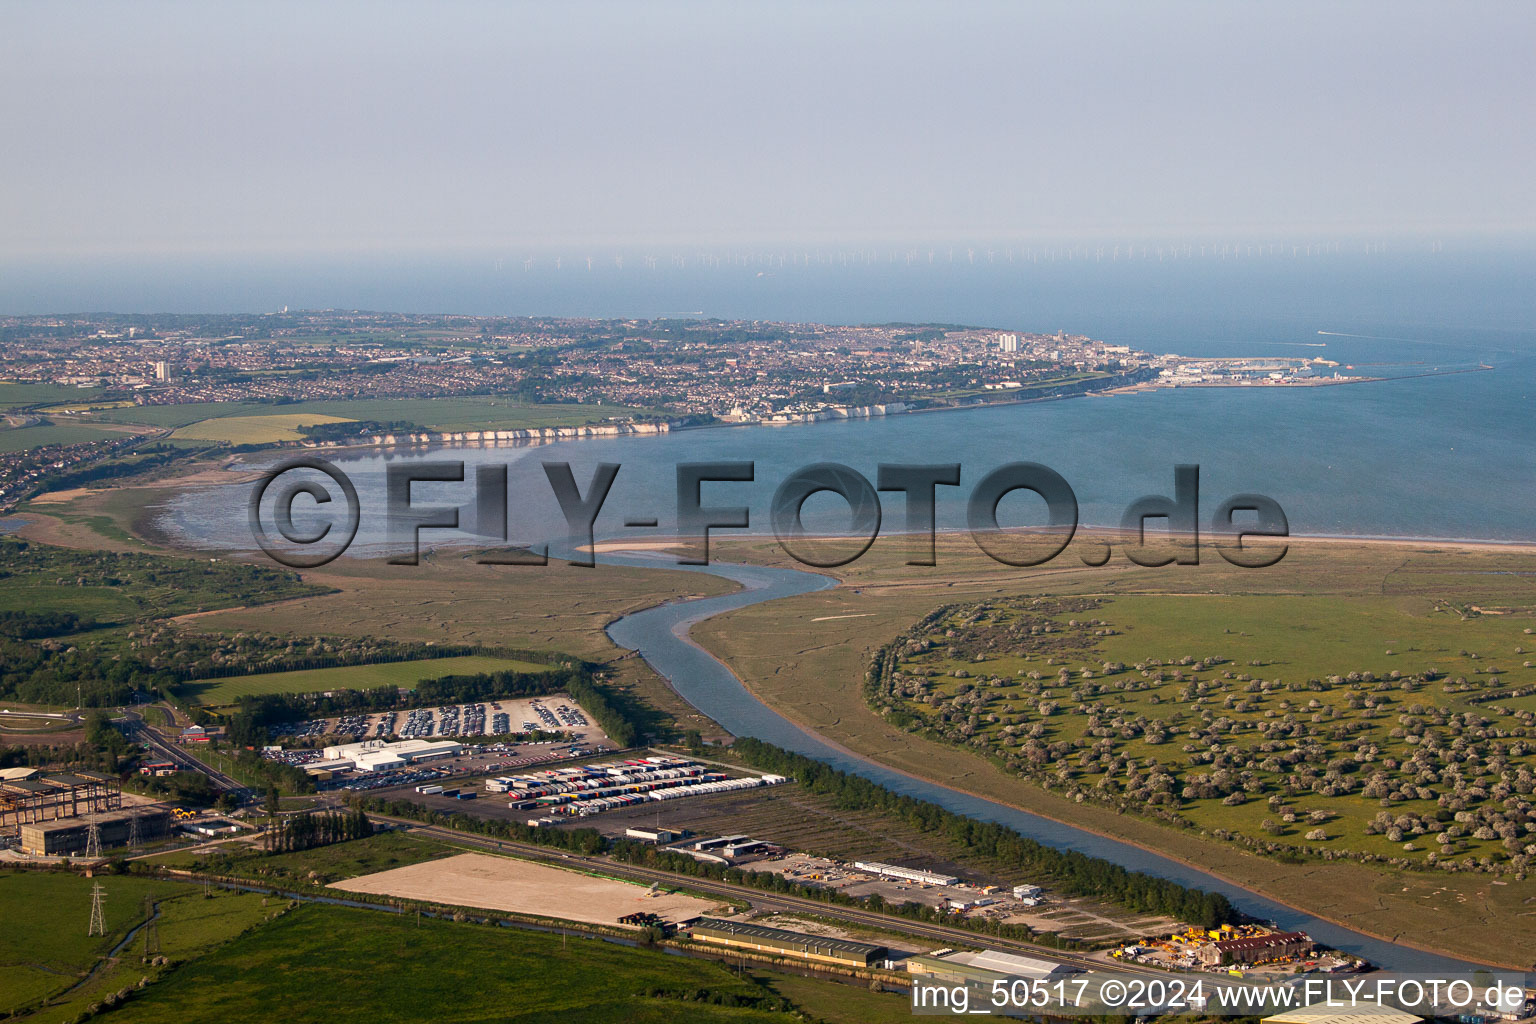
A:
93, 397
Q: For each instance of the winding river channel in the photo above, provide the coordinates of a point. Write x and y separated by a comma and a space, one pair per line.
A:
661, 636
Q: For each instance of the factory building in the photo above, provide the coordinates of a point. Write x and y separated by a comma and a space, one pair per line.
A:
654, 835
983, 968
380, 756
35, 797
780, 942
906, 874
66, 838
1255, 949
1342, 1013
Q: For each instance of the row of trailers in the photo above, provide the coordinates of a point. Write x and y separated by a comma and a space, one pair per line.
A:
590, 789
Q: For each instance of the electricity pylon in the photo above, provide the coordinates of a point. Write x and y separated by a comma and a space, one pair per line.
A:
98, 921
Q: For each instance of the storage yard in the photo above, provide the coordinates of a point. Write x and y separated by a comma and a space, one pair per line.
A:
575, 792
522, 887
436, 767
1248, 946
827, 841
557, 713
582, 790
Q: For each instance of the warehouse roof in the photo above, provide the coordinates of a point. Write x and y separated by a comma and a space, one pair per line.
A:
66, 779
30, 786
91, 776
785, 938
1260, 941
1344, 1013
1010, 964
103, 818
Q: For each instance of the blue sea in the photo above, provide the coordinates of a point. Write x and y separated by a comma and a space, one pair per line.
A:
1448, 455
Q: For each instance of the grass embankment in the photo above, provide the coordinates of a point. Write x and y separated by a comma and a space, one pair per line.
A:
807, 656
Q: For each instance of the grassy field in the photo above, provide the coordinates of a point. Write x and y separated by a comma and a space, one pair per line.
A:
1094, 696
319, 866
452, 599
807, 656
115, 587
356, 677
235, 956
836, 1003
327, 963
20, 439
475, 412
37, 961
17, 394
253, 429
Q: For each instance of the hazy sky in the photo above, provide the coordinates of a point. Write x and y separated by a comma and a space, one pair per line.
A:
309, 128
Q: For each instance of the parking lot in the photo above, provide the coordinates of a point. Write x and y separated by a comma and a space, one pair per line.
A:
553, 714
488, 759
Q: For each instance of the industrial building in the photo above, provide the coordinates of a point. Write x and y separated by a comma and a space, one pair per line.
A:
778, 941
1253, 949
906, 874
34, 798
381, 756
1340, 1013
984, 967
654, 835
65, 838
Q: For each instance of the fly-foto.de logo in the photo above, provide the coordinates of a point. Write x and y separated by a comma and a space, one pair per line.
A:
305, 512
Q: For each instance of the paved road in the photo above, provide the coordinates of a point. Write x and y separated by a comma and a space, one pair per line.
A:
139, 731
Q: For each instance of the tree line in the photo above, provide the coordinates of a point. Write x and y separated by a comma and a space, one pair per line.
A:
309, 830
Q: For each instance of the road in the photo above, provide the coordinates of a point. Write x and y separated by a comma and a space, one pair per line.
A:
140, 731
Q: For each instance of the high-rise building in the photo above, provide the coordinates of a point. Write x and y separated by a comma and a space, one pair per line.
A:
162, 370
1008, 342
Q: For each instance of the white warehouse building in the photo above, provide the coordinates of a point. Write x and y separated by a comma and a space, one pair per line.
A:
380, 756
908, 874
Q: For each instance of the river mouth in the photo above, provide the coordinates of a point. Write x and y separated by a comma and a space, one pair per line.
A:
660, 635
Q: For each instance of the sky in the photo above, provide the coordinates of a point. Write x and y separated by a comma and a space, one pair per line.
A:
269, 128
